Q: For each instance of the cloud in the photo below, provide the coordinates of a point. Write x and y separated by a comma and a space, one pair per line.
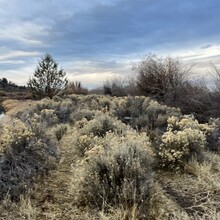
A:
206, 46
99, 37
16, 54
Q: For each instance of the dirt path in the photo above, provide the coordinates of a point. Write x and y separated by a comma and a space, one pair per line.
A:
51, 196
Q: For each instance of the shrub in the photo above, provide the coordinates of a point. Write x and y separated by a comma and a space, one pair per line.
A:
64, 109
213, 138
141, 112
115, 172
45, 104
183, 139
129, 107
96, 128
39, 123
61, 109
83, 143
102, 124
115, 87
105, 102
80, 114
158, 114
23, 155
187, 121
90, 102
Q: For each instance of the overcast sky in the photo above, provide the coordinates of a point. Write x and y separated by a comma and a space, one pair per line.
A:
94, 39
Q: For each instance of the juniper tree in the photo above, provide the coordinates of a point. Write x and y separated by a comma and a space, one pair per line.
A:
48, 80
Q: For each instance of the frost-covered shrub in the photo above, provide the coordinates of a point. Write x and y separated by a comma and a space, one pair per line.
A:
48, 117
23, 155
62, 109
39, 123
89, 131
183, 139
102, 124
116, 171
187, 121
213, 138
83, 143
80, 114
14, 137
46, 103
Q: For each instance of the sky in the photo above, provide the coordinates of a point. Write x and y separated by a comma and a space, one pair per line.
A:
93, 40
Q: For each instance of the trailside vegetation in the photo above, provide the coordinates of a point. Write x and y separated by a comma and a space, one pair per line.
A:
103, 157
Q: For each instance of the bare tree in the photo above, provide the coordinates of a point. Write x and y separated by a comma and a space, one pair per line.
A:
76, 88
120, 86
161, 77
215, 73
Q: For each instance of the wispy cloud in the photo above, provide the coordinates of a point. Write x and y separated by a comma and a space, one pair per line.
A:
16, 54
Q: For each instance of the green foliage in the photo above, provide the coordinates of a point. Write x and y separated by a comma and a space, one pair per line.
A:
48, 80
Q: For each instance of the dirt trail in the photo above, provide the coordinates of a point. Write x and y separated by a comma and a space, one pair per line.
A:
51, 196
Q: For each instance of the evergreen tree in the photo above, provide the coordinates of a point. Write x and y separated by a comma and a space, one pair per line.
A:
48, 80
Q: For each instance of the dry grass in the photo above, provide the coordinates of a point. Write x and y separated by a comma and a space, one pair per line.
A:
12, 106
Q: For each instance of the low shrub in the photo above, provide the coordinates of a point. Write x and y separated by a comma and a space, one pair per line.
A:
90, 102
23, 155
128, 107
143, 113
102, 124
117, 171
90, 131
183, 139
78, 115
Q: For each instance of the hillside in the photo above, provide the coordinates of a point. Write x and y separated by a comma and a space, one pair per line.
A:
100, 157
